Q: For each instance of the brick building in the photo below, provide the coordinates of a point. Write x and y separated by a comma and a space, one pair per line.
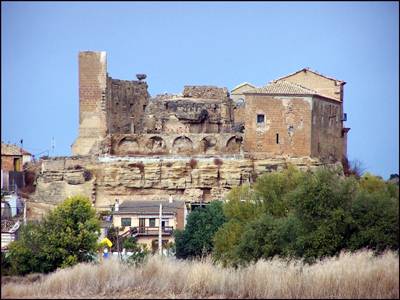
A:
287, 118
13, 159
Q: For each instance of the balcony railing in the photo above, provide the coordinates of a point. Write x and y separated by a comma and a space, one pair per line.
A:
147, 230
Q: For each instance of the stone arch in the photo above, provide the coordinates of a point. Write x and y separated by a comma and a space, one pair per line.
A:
128, 145
208, 144
233, 144
156, 143
182, 144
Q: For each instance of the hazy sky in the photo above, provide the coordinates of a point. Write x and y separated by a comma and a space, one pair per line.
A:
183, 43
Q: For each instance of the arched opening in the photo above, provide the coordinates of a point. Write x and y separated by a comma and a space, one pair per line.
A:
182, 145
208, 144
155, 143
128, 145
233, 144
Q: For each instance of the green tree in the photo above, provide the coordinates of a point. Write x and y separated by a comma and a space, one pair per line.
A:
197, 238
267, 237
376, 220
66, 236
245, 205
271, 189
226, 240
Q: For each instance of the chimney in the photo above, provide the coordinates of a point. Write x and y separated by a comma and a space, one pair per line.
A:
116, 206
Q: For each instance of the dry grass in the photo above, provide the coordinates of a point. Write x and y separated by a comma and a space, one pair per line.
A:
359, 275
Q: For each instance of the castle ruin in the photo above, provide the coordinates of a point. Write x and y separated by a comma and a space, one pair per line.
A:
196, 145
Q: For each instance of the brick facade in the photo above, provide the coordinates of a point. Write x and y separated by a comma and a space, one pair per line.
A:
286, 129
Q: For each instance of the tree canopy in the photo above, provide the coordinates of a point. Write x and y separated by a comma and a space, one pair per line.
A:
66, 236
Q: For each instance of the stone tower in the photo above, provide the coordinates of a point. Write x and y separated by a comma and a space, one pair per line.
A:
92, 102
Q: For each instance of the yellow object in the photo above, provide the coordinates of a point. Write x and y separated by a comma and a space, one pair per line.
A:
106, 241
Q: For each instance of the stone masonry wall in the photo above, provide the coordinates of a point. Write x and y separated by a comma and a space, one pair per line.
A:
327, 141
92, 101
286, 129
127, 101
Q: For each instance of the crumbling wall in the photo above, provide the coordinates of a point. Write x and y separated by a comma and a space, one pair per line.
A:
127, 102
175, 144
205, 92
191, 112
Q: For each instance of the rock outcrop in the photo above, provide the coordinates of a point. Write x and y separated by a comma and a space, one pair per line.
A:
104, 179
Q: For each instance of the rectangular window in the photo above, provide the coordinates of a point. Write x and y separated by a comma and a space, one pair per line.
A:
277, 138
126, 221
144, 107
260, 118
152, 222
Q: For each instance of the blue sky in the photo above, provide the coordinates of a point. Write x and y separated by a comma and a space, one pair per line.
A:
182, 43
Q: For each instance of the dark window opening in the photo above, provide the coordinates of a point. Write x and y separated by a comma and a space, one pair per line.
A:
126, 221
130, 106
260, 119
152, 222
277, 138
144, 107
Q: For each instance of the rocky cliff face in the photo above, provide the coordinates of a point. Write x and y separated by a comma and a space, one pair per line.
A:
105, 179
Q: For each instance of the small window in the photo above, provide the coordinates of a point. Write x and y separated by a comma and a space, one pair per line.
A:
152, 222
126, 221
240, 102
144, 107
277, 138
260, 119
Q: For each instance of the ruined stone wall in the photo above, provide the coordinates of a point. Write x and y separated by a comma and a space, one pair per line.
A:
175, 144
327, 141
179, 114
205, 92
127, 101
286, 129
92, 102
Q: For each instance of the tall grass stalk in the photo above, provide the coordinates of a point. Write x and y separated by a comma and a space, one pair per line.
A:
357, 275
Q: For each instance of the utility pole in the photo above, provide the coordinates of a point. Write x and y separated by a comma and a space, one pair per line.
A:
52, 145
160, 234
25, 212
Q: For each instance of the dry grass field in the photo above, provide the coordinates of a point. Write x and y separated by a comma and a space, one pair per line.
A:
359, 275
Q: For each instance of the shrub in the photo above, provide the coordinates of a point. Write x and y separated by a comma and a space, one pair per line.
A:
66, 236
376, 220
197, 238
307, 215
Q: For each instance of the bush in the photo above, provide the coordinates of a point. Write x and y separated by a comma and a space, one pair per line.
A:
67, 235
307, 215
376, 220
196, 239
